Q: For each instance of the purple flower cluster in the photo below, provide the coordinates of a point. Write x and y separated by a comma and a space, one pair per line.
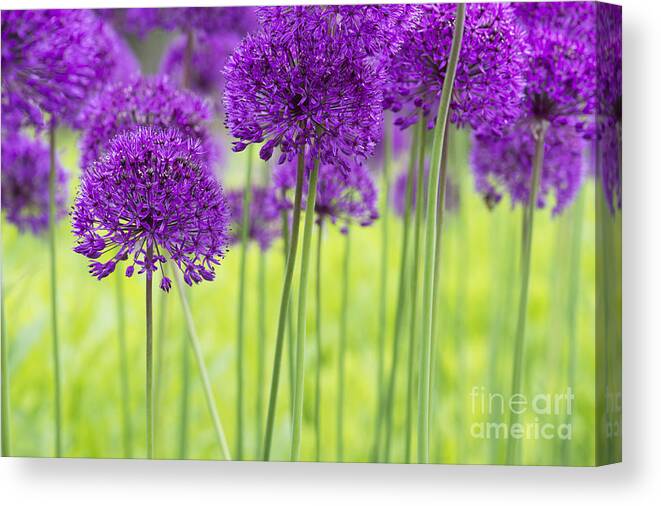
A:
505, 164
52, 61
198, 19
344, 197
490, 76
148, 198
310, 91
25, 181
143, 101
264, 216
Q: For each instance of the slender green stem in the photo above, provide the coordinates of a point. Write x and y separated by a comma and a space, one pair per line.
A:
127, 433
383, 288
149, 357
245, 230
261, 351
435, 181
4, 371
420, 200
572, 306
401, 292
539, 133
204, 375
301, 317
291, 338
184, 399
341, 358
317, 402
284, 307
52, 218
159, 362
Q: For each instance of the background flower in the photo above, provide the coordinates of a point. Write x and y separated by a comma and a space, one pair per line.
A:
151, 191
398, 192
264, 225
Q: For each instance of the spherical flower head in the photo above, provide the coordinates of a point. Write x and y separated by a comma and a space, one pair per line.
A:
209, 20
504, 164
264, 216
305, 94
150, 200
52, 61
398, 192
342, 197
144, 101
25, 180
490, 75
206, 64
561, 74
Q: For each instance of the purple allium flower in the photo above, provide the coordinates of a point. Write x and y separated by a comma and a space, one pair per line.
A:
52, 61
264, 216
561, 75
307, 93
139, 102
149, 198
505, 165
398, 192
345, 197
25, 179
212, 20
490, 76
206, 65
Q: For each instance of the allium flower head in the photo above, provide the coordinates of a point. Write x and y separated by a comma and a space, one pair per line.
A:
25, 178
490, 76
504, 164
149, 200
52, 61
344, 197
142, 101
398, 192
263, 219
306, 93
211, 20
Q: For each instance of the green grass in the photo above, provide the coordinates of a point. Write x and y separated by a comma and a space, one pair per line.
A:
477, 311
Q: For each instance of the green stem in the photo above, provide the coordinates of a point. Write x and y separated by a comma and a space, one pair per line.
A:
383, 288
245, 233
261, 351
415, 283
184, 400
317, 403
149, 357
301, 313
401, 291
539, 132
4, 371
160, 357
204, 375
341, 359
52, 218
436, 184
124, 370
291, 338
284, 307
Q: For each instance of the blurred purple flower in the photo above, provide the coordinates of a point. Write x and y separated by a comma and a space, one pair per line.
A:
149, 200
398, 192
505, 165
25, 179
490, 77
263, 219
144, 101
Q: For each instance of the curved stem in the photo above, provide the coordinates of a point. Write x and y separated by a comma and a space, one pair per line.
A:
245, 230
383, 288
317, 403
301, 313
52, 218
284, 307
539, 132
149, 357
261, 350
343, 347
436, 185
401, 292
204, 375
4, 370
127, 433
